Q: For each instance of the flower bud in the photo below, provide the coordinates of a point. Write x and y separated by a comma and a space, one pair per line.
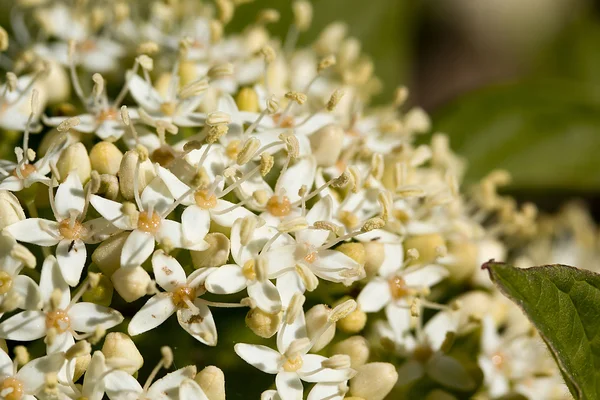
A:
426, 245
101, 292
10, 209
353, 322
127, 173
262, 323
216, 255
212, 381
81, 365
374, 257
106, 158
131, 283
374, 381
356, 347
119, 345
56, 84
247, 100
355, 251
462, 260
316, 319
107, 255
74, 158
417, 120
326, 144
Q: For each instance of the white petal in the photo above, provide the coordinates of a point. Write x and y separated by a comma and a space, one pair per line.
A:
137, 248
289, 284
170, 232
201, 325
157, 194
71, 256
426, 276
321, 211
289, 386
227, 219
199, 276
398, 315
329, 391
92, 389
312, 237
281, 258
490, 339
288, 333
312, 362
110, 130
331, 265
174, 185
99, 229
262, 357
152, 314
6, 364
190, 390
260, 237
30, 231
392, 259
143, 93
11, 184
29, 291
62, 342
168, 273
226, 279
301, 173
438, 326
375, 295
266, 296
24, 326
121, 385
33, 374
167, 387
70, 196
86, 317
195, 223
111, 211
51, 278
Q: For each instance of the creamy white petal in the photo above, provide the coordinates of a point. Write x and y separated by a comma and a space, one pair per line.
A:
289, 386
92, 389
321, 211
152, 314
71, 256
374, 296
62, 342
289, 284
266, 296
170, 232
288, 333
331, 265
200, 325
120, 385
227, 219
30, 231
199, 276
311, 371
143, 93
262, 357
110, 130
195, 223
398, 315
426, 276
69, 196
301, 173
29, 291
329, 391
190, 390
24, 326
87, 317
167, 387
111, 211
137, 248
226, 279
174, 185
281, 258
51, 278
438, 326
33, 374
6, 364
168, 273
259, 238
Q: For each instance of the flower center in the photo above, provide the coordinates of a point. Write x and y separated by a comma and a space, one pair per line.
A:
182, 295
204, 199
6, 282
279, 206
71, 231
248, 270
286, 122
59, 320
11, 389
148, 223
109, 114
168, 108
498, 360
398, 287
26, 170
311, 257
292, 364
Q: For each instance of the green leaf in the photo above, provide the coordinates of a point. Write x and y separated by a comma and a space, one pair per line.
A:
544, 132
563, 303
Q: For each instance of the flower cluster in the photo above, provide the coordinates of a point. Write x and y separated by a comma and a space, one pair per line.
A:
194, 170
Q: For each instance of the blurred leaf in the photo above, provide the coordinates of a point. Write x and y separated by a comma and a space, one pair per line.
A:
562, 303
546, 133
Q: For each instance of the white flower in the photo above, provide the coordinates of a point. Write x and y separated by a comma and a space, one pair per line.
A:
60, 314
181, 296
122, 386
28, 381
68, 230
148, 225
15, 105
291, 364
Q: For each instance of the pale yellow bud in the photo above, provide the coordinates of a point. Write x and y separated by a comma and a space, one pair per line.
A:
426, 246
226, 8
416, 120
120, 345
131, 283
216, 31
464, 260
355, 251
212, 381
374, 381
79, 349
326, 144
268, 16
56, 83
74, 158
303, 13
356, 347
374, 257
10, 209
4, 41
81, 365
247, 100
127, 174
106, 158
216, 254
316, 319
262, 323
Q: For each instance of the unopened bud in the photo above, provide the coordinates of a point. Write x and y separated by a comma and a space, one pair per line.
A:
217, 253
4, 41
326, 144
10, 209
262, 323
131, 283
106, 158
127, 173
374, 381
356, 347
74, 158
247, 100
212, 381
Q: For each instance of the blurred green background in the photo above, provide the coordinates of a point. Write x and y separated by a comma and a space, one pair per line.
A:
516, 84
